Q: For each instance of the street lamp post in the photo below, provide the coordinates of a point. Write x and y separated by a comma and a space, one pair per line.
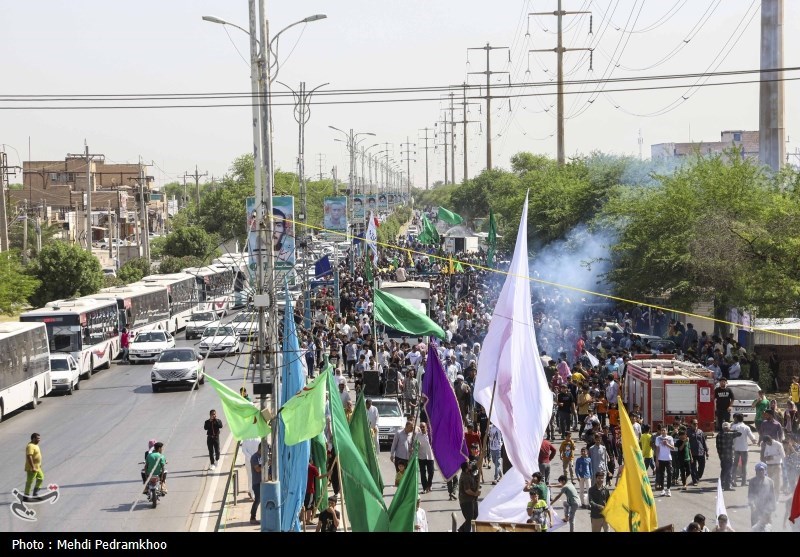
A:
264, 300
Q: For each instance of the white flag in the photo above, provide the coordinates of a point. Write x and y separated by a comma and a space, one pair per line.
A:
372, 241
523, 402
592, 360
721, 504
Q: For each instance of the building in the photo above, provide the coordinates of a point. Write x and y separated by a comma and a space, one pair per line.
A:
747, 141
56, 190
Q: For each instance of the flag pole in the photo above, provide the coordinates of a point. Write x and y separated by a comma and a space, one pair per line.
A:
486, 434
337, 463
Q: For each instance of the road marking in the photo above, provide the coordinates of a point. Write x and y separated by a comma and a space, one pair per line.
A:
213, 488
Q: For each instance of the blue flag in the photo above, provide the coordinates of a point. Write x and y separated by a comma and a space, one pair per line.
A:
322, 267
293, 458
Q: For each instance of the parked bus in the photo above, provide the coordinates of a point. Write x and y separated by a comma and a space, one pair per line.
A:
84, 327
139, 307
24, 366
237, 263
182, 296
214, 285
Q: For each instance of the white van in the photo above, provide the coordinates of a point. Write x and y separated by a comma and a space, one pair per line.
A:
745, 392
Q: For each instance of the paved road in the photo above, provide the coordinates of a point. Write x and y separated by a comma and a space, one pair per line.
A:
92, 442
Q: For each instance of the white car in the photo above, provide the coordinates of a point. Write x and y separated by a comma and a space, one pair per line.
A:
245, 324
222, 340
147, 346
745, 392
198, 322
177, 367
65, 373
390, 419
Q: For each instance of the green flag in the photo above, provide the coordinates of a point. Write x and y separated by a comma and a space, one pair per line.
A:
366, 511
491, 240
244, 418
429, 235
303, 415
403, 509
319, 454
458, 268
368, 269
399, 314
449, 216
364, 440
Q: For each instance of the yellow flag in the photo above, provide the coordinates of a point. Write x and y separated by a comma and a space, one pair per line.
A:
452, 269
631, 507
410, 259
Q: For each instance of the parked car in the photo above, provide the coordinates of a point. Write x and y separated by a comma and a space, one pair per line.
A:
245, 324
198, 321
65, 373
221, 340
745, 392
662, 346
147, 346
390, 419
177, 367
109, 272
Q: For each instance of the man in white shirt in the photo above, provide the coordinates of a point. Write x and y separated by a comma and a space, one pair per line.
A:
453, 370
344, 395
665, 444
414, 357
740, 447
774, 454
372, 420
612, 390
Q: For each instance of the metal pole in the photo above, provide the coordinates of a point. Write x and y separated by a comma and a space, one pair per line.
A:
25, 235
145, 215
452, 143
488, 110
560, 98
110, 233
3, 217
464, 131
772, 133
88, 199
272, 490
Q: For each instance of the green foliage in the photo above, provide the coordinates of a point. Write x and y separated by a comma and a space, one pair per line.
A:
390, 228
109, 281
15, 285
134, 270
169, 264
192, 241
157, 246
65, 270
16, 235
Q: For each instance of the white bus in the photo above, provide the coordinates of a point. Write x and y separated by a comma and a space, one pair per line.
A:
139, 307
214, 284
237, 262
24, 366
83, 327
182, 296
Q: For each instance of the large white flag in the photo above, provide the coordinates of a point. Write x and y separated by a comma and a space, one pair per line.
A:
372, 241
721, 504
523, 402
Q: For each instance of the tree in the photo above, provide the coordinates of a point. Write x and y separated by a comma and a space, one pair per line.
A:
134, 270
171, 264
15, 286
16, 235
64, 271
191, 240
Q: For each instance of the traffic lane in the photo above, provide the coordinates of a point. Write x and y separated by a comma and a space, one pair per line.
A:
93, 441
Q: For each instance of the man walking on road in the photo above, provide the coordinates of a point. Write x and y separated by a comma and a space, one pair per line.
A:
212, 427
33, 465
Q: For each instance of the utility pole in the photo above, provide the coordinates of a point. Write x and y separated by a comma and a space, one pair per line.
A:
144, 195
88, 158
489, 97
408, 152
25, 234
445, 144
5, 172
110, 233
560, 50
320, 162
464, 122
196, 177
426, 139
452, 141
185, 198
772, 126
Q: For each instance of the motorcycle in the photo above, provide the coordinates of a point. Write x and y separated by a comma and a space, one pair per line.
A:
154, 489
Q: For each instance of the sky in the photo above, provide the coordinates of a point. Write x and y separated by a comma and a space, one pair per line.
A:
94, 47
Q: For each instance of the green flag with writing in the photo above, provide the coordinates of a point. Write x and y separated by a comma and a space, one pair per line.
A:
449, 216
403, 509
366, 511
303, 415
244, 418
364, 439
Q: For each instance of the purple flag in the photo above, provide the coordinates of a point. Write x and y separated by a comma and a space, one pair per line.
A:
444, 417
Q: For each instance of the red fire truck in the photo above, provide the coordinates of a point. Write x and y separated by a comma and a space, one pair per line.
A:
666, 388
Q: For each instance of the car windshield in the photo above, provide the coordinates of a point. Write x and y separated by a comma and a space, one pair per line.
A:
59, 364
177, 356
218, 332
388, 408
744, 392
245, 318
153, 336
206, 316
